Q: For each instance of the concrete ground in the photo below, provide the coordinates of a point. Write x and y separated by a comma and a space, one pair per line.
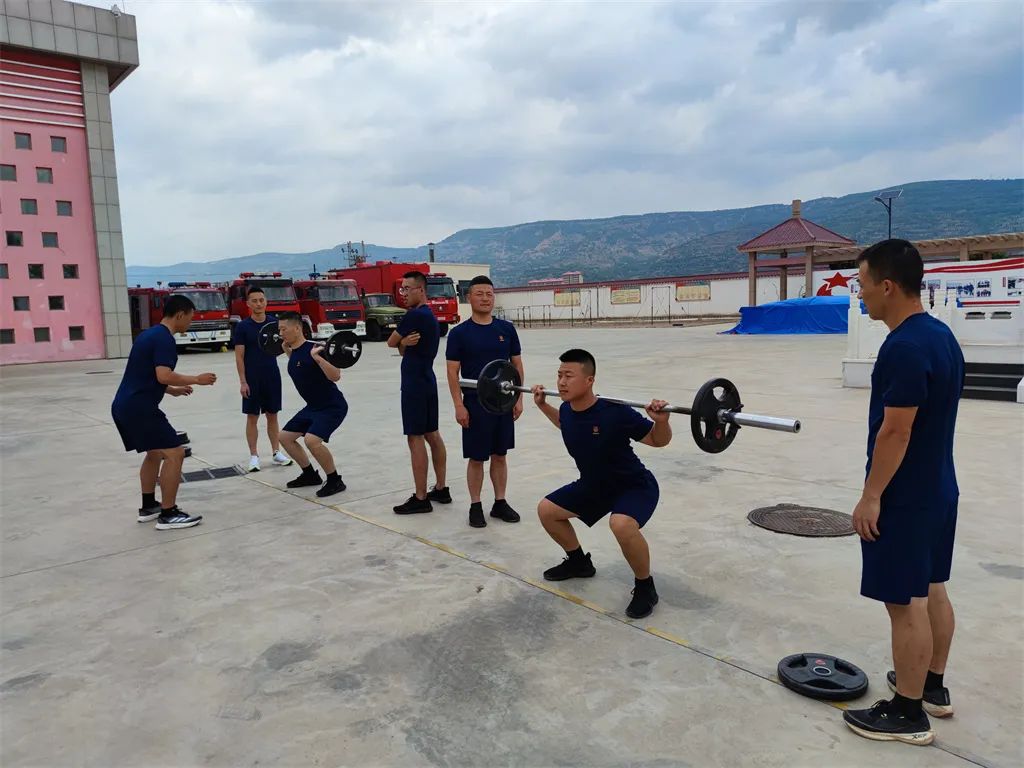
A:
285, 631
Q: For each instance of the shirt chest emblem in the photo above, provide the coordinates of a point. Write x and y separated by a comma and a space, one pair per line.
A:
596, 431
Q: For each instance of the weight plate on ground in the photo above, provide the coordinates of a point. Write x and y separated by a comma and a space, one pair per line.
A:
489, 391
343, 349
709, 432
270, 340
821, 676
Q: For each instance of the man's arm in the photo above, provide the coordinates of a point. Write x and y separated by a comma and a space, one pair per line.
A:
517, 363
168, 377
452, 368
890, 448
394, 340
540, 400
240, 367
330, 371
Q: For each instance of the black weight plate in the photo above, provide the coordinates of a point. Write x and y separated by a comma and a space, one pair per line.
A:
489, 392
821, 676
270, 340
338, 349
711, 434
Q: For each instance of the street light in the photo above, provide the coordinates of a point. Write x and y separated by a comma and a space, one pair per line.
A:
886, 198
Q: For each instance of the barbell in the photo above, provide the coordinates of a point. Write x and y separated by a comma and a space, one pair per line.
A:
342, 350
715, 416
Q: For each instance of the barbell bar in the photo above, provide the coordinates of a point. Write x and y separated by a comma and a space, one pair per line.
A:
715, 416
342, 350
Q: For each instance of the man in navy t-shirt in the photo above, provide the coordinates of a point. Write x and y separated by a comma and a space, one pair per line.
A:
326, 408
906, 516
259, 379
612, 479
417, 338
471, 345
148, 375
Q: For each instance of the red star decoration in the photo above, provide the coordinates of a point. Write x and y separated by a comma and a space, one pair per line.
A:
836, 281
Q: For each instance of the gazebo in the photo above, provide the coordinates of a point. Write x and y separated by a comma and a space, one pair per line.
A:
791, 236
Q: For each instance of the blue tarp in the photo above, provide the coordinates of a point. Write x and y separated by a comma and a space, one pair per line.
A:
817, 314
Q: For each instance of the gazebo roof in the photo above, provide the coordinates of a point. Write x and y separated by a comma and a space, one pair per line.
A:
794, 232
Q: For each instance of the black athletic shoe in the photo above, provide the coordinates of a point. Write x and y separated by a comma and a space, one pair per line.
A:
146, 514
173, 518
503, 511
883, 723
476, 516
413, 506
440, 495
309, 476
936, 703
645, 597
571, 569
332, 486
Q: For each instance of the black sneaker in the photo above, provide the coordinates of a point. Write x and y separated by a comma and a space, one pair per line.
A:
571, 568
309, 476
935, 703
172, 518
332, 486
645, 597
146, 514
882, 723
440, 495
413, 506
476, 516
503, 511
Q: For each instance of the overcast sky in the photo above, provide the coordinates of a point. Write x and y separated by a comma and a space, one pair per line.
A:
256, 126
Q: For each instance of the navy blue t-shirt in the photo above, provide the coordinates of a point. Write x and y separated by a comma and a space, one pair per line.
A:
312, 383
919, 364
598, 440
418, 360
139, 388
258, 364
475, 345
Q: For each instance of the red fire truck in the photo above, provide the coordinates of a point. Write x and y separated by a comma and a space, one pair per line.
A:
330, 302
210, 327
386, 277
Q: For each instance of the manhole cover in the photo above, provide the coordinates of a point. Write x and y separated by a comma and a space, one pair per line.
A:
802, 521
215, 473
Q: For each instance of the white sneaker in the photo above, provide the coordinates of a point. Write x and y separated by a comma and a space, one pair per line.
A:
254, 464
282, 459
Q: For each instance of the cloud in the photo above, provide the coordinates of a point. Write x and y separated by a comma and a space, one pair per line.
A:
296, 125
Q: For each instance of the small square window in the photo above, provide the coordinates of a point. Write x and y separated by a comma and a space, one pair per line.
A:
15, 239
44, 175
6, 335
20, 303
63, 207
35, 271
42, 334
3, 272
29, 207
58, 144
50, 240
8, 173
70, 271
23, 141
56, 302
76, 333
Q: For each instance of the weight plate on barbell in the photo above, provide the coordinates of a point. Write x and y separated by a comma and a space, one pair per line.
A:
490, 392
270, 339
343, 349
709, 432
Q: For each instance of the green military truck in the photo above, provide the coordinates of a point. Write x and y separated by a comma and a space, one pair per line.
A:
382, 316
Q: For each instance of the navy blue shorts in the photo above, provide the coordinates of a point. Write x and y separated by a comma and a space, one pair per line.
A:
318, 421
419, 410
590, 503
264, 395
144, 429
488, 435
914, 548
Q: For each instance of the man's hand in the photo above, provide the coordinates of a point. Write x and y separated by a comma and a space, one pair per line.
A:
865, 518
183, 391
316, 350
517, 411
411, 340
539, 398
655, 412
244, 389
206, 379
462, 416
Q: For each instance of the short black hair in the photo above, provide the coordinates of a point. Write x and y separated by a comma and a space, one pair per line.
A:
419, 277
480, 280
896, 260
176, 303
582, 357
295, 317
254, 289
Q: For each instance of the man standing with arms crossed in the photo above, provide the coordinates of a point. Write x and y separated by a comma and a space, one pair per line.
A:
471, 345
259, 379
417, 338
906, 516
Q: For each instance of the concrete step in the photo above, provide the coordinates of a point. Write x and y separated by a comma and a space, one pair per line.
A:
992, 380
990, 393
1001, 369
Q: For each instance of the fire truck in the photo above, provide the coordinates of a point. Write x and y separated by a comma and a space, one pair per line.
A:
280, 293
210, 327
327, 301
386, 277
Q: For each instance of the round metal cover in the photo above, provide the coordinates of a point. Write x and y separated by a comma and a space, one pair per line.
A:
802, 521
